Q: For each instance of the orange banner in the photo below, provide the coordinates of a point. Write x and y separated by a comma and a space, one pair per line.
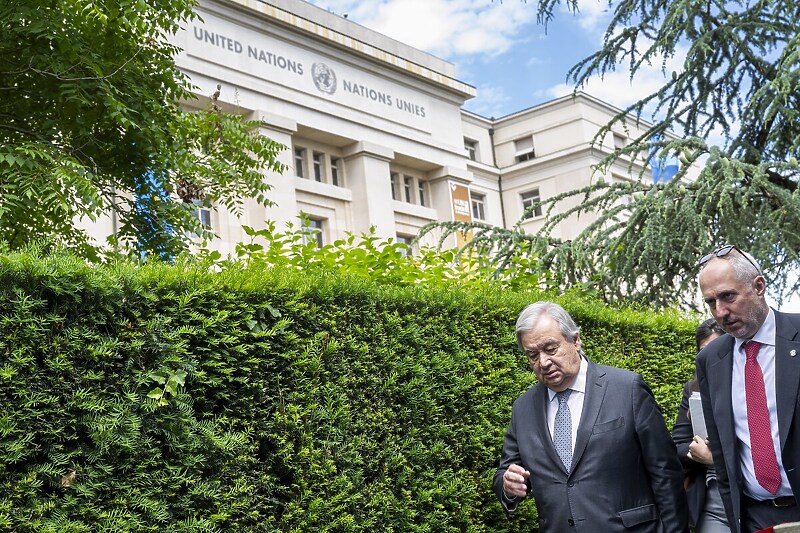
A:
462, 211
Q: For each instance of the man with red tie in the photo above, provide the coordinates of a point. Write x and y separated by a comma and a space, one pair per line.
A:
749, 381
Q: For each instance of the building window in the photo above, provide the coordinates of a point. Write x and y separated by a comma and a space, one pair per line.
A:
395, 177
478, 206
203, 213
408, 189
321, 166
335, 171
319, 162
312, 232
405, 239
524, 149
472, 149
300, 162
529, 199
422, 189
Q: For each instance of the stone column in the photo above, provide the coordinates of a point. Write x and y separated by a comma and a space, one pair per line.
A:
279, 129
367, 174
440, 182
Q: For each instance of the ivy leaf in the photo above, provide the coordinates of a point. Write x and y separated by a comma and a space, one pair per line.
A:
179, 377
159, 376
156, 393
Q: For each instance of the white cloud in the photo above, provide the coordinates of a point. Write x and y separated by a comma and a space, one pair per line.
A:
535, 61
618, 89
491, 101
593, 15
445, 28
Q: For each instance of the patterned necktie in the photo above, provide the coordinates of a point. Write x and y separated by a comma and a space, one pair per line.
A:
761, 447
562, 429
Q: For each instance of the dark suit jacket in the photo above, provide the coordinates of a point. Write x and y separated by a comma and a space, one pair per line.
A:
683, 434
714, 372
625, 472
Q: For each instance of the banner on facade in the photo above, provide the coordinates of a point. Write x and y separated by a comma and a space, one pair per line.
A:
459, 199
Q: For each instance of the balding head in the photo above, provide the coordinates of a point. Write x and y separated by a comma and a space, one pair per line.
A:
734, 291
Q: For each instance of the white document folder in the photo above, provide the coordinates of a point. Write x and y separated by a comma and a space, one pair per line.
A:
696, 415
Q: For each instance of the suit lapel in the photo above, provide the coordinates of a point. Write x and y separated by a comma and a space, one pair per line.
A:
787, 373
719, 376
595, 392
541, 398
719, 373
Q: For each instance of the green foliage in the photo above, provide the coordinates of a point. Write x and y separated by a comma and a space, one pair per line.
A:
91, 125
738, 81
288, 400
379, 260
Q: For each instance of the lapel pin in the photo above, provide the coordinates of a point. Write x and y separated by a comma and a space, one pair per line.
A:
793, 353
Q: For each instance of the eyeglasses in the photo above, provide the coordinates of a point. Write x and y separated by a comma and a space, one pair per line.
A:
725, 250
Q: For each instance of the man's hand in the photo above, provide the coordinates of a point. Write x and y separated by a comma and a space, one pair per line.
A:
515, 481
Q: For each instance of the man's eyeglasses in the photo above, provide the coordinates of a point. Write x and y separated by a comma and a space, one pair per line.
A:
725, 250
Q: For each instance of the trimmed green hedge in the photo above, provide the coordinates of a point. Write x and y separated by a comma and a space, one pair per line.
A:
174, 398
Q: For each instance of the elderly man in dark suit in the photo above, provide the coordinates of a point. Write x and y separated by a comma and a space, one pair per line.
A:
750, 379
588, 442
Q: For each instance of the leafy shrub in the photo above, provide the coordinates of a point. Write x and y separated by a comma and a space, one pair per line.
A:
269, 398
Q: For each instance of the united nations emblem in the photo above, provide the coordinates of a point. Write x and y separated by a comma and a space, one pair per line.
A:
324, 78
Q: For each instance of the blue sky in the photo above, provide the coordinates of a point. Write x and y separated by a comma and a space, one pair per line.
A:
499, 47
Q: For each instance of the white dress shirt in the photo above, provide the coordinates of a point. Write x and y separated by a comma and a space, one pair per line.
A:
766, 359
575, 402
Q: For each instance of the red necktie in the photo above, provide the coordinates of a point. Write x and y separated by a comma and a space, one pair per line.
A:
761, 447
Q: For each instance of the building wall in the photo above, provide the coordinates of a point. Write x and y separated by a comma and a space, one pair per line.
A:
375, 108
374, 129
548, 149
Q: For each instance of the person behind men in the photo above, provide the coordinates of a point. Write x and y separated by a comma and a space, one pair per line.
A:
706, 512
750, 378
588, 442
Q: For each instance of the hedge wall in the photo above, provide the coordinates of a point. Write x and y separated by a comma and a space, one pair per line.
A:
174, 398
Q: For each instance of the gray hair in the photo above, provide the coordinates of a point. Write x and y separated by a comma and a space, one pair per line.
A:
530, 315
745, 266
